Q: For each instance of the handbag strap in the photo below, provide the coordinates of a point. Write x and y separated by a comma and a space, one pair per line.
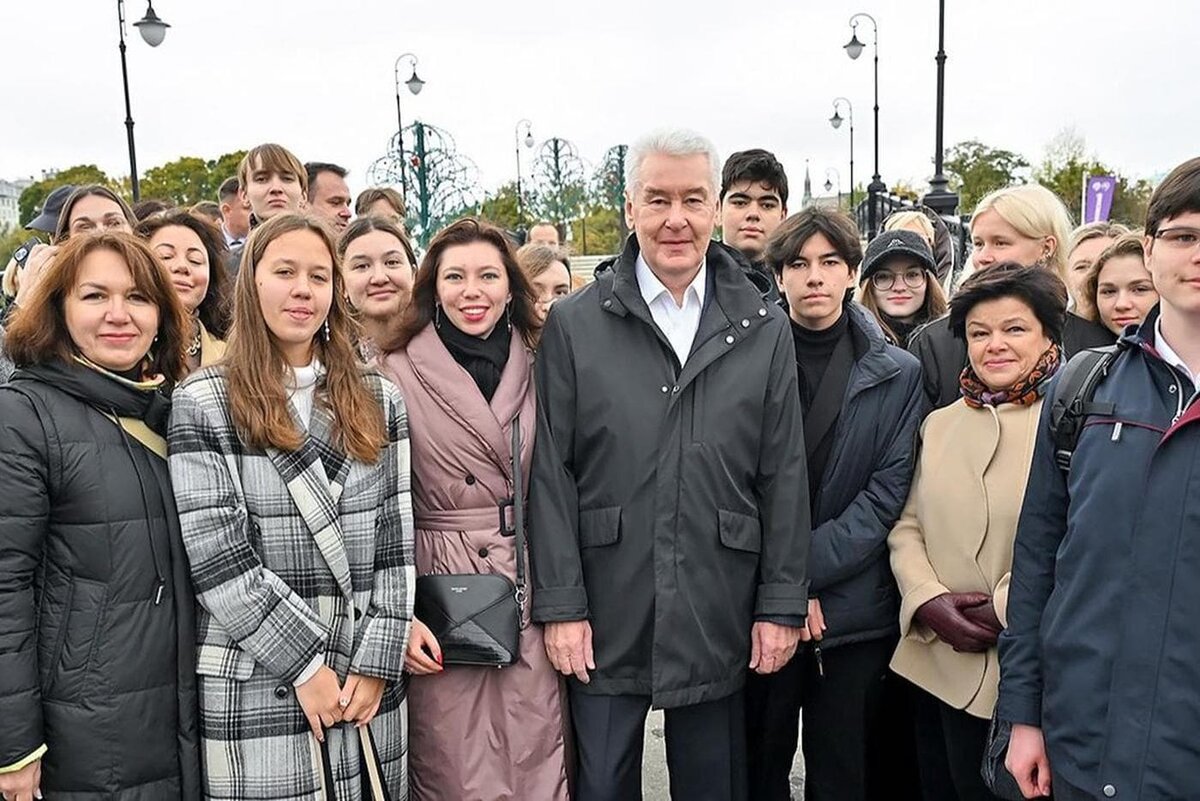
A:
518, 509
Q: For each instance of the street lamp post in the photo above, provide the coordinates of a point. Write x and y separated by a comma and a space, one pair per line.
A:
940, 198
829, 183
876, 188
415, 85
517, 149
836, 122
153, 30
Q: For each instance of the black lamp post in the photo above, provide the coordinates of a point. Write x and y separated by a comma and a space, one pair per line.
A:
836, 122
940, 198
415, 85
517, 148
152, 30
829, 183
876, 188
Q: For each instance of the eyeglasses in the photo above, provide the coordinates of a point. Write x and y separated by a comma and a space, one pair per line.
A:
885, 280
1179, 238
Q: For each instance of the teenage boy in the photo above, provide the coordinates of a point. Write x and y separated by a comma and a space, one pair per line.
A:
754, 193
1100, 664
862, 402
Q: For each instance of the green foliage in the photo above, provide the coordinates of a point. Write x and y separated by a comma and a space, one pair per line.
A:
1063, 169
35, 194
598, 233
189, 179
500, 207
976, 169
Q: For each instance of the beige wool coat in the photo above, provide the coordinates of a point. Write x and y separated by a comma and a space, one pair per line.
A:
956, 535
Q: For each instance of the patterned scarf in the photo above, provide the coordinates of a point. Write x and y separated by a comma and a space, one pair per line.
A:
1024, 393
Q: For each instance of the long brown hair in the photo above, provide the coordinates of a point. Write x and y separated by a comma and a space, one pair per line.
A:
213, 310
421, 308
37, 332
255, 366
62, 231
934, 305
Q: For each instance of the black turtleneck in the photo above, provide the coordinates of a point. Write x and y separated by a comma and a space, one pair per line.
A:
813, 351
483, 358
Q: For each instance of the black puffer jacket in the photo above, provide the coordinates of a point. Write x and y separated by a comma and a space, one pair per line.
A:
97, 640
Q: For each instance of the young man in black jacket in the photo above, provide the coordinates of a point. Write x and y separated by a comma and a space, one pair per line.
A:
862, 404
754, 194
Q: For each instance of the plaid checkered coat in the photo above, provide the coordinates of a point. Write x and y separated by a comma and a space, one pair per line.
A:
292, 555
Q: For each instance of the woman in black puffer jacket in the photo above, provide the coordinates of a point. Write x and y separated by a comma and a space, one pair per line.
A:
97, 641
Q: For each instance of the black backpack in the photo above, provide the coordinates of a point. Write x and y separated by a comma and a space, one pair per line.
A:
1073, 402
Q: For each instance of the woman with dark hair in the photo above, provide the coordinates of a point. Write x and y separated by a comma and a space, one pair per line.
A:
97, 637
952, 548
194, 252
463, 360
290, 467
898, 283
377, 263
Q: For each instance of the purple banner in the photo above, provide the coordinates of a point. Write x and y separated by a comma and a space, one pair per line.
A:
1098, 197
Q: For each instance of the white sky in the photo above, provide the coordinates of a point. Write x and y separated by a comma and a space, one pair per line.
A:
317, 77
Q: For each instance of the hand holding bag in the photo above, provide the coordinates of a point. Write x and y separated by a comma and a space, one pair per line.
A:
476, 617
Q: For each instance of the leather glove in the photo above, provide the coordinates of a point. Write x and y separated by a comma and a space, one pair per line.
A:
984, 614
945, 617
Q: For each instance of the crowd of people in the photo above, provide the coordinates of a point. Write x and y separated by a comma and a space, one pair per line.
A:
291, 510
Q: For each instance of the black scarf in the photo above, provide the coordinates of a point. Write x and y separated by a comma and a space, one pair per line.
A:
899, 328
105, 391
482, 357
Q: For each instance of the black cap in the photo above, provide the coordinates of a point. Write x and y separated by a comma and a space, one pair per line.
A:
890, 244
47, 219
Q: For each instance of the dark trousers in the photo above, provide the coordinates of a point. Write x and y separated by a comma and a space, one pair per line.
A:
706, 748
850, 732
950, 746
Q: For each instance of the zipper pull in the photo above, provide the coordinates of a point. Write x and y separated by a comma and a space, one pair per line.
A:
820, 661
158, 594
1116, 435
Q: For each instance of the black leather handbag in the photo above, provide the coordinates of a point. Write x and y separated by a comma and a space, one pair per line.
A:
476, 617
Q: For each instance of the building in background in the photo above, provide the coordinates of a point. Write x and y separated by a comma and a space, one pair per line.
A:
10, 193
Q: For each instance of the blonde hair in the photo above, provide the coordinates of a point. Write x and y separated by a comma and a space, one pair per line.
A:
535, 258
1037, 213
911, 221
9, 284
272, 158
1096, 230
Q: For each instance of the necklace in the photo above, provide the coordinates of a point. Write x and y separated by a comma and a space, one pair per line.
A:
194, 347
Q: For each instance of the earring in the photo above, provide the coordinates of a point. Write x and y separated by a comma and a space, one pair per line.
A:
508, 315
437, 314
326, 329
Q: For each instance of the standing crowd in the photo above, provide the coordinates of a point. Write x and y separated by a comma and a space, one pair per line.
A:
288, 513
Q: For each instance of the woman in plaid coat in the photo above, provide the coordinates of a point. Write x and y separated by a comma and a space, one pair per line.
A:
290, 470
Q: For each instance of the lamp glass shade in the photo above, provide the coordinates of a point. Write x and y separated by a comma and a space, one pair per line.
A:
828, 185
836, 119
854, 47
528, 140
415, 84
152, 29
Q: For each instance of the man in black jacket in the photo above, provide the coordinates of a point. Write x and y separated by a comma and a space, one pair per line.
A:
668, 508
754, 193
862, 403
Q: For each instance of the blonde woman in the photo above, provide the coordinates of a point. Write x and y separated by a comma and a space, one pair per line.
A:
290, 469
1024, 224
1087, 242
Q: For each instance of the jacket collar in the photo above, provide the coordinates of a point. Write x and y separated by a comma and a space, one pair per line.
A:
876, 364
107, 394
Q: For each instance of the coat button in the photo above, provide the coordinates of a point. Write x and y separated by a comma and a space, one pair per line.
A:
281, 691
665, 388
470, 479
762, 312
1109, 791
729, 339
745, 323
1173, 389
607, 304
483, 552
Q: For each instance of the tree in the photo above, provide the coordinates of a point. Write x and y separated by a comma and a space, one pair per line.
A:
1063, 169
976, 169
597, 232
500, 207
35, 194
560, 182
190, 179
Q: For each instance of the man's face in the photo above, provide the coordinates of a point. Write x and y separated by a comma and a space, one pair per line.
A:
235, 213
270, 193
1173, 259
543, 235
815, 283
331, 199
750, 212
673, 209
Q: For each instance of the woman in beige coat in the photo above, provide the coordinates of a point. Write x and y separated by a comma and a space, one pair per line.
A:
952, 547
463, 361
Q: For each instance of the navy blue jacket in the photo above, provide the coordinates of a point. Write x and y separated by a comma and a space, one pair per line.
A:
864, 488
1102, 648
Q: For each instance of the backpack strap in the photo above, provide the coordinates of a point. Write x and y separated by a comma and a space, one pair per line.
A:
49, 428
1073, 402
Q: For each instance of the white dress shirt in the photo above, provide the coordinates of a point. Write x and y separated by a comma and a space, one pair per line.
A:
1168, 353
678, 322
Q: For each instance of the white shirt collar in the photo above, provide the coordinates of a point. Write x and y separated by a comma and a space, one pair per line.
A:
1168, 353
651, 288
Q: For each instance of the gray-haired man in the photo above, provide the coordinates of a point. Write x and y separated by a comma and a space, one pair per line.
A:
669, 515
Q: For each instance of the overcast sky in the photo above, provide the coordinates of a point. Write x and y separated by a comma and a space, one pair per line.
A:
318, 77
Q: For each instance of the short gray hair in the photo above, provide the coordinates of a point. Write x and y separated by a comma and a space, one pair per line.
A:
671, 142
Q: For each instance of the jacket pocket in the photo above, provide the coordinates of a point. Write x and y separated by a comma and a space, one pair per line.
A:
224, 661
79, 637
599, 527
739, 532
